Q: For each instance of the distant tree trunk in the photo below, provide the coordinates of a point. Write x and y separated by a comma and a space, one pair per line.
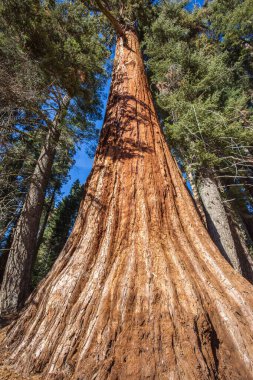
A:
140, 291
217, 220
248, 221
48, 209
242, 241
3, 261
5, 228
6, 247
43, 224
196, 196
16, 282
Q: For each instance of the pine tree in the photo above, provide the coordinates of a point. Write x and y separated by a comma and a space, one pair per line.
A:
140, 290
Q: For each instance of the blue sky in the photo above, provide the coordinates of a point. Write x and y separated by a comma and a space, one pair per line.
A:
83, 163
192, 3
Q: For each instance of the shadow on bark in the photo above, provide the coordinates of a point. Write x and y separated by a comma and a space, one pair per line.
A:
216, 236
112, 143
247, 270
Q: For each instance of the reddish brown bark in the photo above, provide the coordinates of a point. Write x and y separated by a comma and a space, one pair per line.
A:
140, 291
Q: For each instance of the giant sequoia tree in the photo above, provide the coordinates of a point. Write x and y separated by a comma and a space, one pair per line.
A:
140, 290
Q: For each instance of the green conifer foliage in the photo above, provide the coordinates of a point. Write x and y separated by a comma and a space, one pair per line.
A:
46, 49
202, 96
58, 229
62, 37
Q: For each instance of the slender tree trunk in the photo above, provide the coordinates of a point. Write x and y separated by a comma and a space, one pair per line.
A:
248, 221
7, 246
242, 241
140, 291
16, 281
196, 197
3, 261
44, 224
217, 220
5, 229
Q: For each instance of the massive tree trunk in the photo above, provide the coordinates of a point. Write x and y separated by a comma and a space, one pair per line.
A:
16, 282
140, 291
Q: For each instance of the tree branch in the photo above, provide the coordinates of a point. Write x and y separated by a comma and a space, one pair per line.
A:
116, 25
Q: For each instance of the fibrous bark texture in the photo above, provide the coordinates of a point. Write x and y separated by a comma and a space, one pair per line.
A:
16, 281
140, 291
242, 241
217, 221
225, 228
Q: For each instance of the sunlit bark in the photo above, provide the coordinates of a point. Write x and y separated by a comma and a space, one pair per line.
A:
140, 291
